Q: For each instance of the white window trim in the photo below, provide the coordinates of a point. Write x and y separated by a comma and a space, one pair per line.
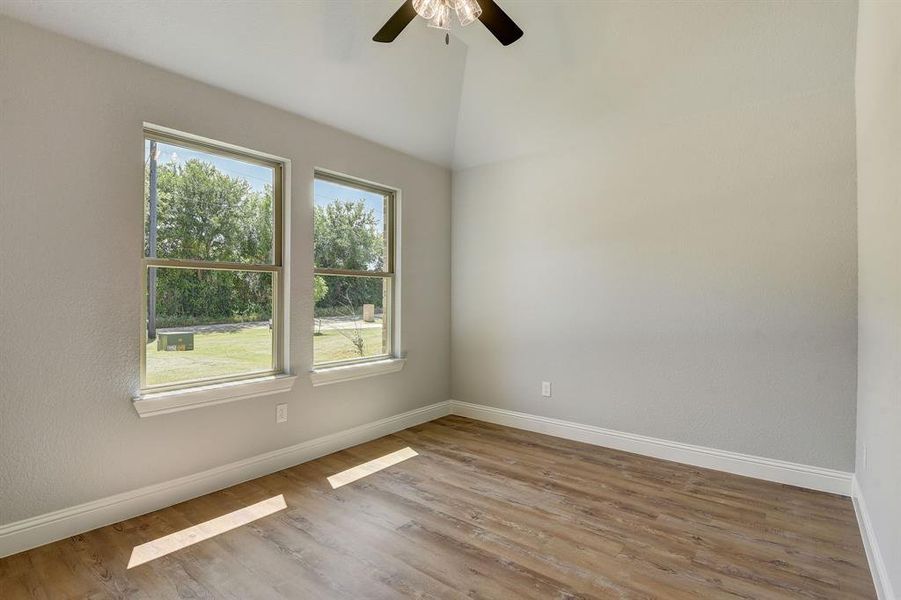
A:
151, 402
340, 373
161, 403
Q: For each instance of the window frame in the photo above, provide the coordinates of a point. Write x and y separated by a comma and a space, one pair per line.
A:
277, 267
390, 273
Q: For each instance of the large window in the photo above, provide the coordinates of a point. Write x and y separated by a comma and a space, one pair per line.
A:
212, 263
353, 271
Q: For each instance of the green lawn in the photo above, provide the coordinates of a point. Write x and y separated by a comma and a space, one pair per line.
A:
217, 354
220, 354
331, 345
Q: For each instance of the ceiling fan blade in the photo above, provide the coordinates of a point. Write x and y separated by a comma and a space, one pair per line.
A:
498, 23
392, 28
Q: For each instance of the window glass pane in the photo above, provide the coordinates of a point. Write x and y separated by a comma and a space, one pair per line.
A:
208, 324
206, 206
350, 318
349, 228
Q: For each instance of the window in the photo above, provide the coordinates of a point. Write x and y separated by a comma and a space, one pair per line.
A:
353, 271
212, 264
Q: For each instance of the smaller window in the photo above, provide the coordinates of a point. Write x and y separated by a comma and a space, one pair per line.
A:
212, 263
353, 271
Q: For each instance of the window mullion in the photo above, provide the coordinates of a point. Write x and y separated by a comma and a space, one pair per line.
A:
175, 263
351, 273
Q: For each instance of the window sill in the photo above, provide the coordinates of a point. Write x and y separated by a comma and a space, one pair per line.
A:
327, 375
161, 403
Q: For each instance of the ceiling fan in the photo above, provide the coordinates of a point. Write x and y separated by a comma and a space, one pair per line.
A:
437, 12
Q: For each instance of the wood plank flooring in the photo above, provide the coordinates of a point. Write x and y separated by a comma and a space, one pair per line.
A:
482, 511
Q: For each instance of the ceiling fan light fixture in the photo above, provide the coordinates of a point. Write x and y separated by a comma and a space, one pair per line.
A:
441, 20
467, 11
427, 8
437, 14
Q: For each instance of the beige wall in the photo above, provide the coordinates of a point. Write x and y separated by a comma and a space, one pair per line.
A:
70, 285
879, 222
683, 268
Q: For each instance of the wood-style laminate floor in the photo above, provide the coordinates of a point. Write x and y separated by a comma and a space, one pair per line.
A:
481, 511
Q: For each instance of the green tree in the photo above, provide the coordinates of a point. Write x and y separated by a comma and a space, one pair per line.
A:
320, 291
204, 214
347, 236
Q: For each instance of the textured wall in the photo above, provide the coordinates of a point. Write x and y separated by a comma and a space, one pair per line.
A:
879, 221
685, 266
71, 161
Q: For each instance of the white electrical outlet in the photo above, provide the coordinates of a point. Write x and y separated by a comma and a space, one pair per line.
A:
546, 389
281, 413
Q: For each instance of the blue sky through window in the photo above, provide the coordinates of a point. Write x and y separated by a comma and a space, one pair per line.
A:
326, 192
257, 176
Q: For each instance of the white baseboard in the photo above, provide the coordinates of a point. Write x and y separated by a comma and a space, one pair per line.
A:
874, 556
806, 476
50, 527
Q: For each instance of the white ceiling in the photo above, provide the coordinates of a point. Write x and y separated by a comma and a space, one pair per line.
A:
580, 64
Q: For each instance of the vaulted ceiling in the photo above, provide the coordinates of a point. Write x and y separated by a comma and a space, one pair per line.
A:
581, 64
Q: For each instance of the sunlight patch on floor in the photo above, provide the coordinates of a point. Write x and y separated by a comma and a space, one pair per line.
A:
373, 466
204, 531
